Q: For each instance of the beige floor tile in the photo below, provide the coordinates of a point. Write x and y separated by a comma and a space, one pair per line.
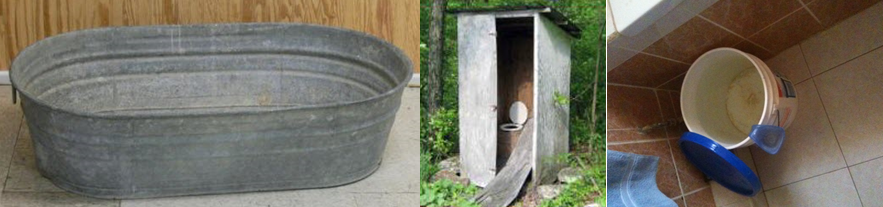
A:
23, 175
832, 189
852, 94
810, 147
869, 181
744, 154
791, 64
723, 196
848, 39
758, 200
52, 199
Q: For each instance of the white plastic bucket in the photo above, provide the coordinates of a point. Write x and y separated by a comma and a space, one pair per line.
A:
726, 91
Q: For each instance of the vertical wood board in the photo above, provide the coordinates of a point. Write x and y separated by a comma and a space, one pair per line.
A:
552, 70
477, 55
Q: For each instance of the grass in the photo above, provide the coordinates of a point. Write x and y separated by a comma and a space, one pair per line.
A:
446, 193
590, 189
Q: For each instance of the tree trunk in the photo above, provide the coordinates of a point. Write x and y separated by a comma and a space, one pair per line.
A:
436, 58
595, 84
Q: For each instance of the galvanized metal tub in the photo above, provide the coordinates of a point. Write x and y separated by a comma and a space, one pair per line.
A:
136, 112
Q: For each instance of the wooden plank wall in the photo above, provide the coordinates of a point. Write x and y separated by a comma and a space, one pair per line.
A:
23, 22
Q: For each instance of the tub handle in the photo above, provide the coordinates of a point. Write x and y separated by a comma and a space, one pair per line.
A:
14, 95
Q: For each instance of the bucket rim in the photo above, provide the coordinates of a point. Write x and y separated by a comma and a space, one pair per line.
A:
766, 77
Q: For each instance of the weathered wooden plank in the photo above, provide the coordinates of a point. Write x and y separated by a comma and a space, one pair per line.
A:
503, 189
477, 52
552, 77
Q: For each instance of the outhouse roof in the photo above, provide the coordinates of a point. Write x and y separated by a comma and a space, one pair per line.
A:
557, 17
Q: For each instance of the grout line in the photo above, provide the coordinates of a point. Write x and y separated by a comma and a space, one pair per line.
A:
668, 143
676, 106
841, 64
638, 141
828, 118
762, 47
754, 163
802, 55
830, 125
642, 52
801, 180
744, 39
661, 114
721, 26
675, 163
670, 80
691, 192
863, 162
812, 78
853, 186
801, 82
810, 12
777, 21
623, 129
662, 57
641, 87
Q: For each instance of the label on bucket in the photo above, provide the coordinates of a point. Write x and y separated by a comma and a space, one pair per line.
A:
786, 103
786, 89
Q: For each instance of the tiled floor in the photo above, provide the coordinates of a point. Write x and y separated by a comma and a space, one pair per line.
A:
833, 154
394, 184
645, 121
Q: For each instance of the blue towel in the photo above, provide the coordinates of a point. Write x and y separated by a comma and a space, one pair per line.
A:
631, 181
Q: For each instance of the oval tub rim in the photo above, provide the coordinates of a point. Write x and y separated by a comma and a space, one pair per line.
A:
41, 43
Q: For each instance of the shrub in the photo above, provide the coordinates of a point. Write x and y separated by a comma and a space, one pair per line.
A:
427, 167
577, 194
439, 133
446, 193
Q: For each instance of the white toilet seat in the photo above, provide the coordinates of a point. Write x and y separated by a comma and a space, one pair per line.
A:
518, 112
518, 115
511, 127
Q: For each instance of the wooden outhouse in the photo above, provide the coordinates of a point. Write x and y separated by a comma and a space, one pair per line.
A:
508, 56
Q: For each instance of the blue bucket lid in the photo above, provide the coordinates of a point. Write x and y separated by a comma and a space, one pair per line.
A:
720, 164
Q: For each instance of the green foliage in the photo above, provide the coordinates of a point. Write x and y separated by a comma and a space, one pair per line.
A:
579, 193
427, 167
439, 133
582, 138
560, 99
446, 193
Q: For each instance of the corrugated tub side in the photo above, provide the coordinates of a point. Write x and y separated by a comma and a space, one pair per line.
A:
138, 112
